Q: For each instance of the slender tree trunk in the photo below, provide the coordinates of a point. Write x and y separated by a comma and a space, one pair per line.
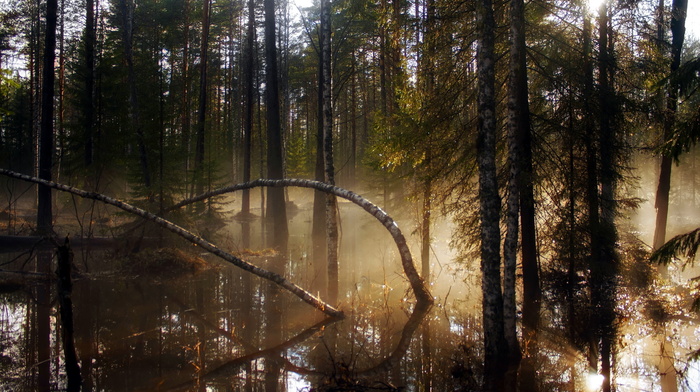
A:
276, 202
60, 121
199, 171
678, 16
331, 202
185, 110
510, 244
320, 242
605, 268
134, 111
520, 152
248, 121
46, 144
89, 94
592, 196
495, 346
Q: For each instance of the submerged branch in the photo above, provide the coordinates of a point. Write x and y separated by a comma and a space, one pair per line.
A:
263, 273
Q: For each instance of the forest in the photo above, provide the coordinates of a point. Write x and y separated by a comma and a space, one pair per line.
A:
349, 195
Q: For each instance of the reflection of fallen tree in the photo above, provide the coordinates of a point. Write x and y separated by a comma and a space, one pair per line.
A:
232, 367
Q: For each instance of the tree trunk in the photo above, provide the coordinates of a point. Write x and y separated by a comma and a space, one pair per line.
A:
320, 242
275, 200
46, 144
89, 93
331, 202
248, 120
510, 244
520, 151
495, 347
678, 16
198, 182
604, 270
134, 111
185, 108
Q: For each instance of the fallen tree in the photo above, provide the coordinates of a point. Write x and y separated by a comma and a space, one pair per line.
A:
261, 272
417, 284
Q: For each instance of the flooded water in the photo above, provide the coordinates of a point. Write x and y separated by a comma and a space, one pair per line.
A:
147, 324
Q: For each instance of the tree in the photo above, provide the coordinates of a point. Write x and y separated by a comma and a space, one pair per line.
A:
495, 347
331, 203
275, 170
678, 15
520, 200
127, 10
46, 145
202, 110
248, 117
89, 93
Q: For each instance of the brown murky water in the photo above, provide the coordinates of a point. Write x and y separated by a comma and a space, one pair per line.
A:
218, 329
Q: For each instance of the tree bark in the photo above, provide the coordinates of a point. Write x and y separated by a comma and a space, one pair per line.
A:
275, 200
318, 235
604, 270
678, 15
495, 346
46, 145
202, 110
331, 202
89, 93
521, 175
127, 8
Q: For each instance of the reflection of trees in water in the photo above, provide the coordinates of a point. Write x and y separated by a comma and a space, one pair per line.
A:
146, 334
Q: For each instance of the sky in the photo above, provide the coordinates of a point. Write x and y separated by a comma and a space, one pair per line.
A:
692, 23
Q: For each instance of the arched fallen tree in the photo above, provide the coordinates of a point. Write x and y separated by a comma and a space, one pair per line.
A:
418, 286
